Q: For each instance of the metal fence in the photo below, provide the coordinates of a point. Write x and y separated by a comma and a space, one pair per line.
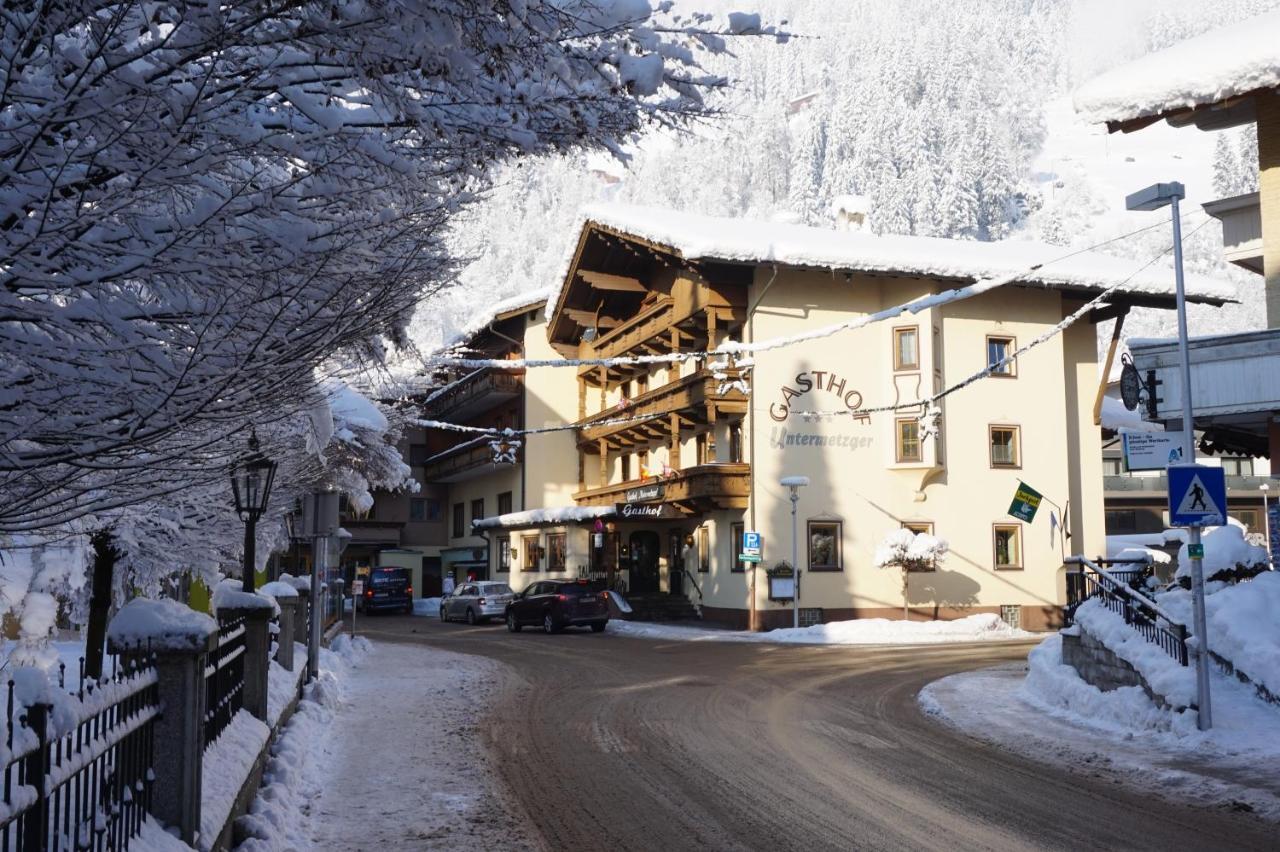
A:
1114, 590
78, 774
224, 680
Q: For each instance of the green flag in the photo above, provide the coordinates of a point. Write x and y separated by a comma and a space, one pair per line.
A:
1025, 502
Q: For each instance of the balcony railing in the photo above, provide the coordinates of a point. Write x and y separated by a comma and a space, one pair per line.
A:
474, 393
467, 459
695, 396
1159, 484
706, 486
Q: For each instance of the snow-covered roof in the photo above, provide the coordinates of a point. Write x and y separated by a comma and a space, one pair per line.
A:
697, 237
543, 517
1116, 417
1220, 64
481, 319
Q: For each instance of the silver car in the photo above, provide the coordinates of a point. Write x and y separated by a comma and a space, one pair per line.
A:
476, 602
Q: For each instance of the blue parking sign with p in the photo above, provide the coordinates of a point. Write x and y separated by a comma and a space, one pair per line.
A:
752, 546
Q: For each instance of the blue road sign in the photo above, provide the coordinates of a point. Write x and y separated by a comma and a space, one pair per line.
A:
1197, 495
751, 543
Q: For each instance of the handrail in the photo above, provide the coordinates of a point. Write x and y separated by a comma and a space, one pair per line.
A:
696, 587
1138, 611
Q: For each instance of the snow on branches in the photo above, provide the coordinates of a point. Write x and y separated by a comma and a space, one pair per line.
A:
910, 551
202, 205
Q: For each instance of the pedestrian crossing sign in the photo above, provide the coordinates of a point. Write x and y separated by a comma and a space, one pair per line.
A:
1197, 495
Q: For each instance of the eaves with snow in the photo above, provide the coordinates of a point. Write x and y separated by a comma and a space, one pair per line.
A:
694, 237
1207, 80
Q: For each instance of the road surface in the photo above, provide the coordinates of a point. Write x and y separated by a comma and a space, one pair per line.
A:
607, 742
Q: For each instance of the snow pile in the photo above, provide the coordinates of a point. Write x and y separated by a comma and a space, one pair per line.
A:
278, 589
1221, 64
535, 517
227, 764
1176, 683
1225, 552
230, 594
301, 584
295, 772
1053, 684
282, 684
430, 607
165, 624
861, 631
1243, 621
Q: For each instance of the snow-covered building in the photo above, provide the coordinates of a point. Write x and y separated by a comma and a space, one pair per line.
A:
678, 455
1224, 78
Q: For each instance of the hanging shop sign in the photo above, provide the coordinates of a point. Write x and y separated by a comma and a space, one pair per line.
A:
644, 493
648, 511
1025, 502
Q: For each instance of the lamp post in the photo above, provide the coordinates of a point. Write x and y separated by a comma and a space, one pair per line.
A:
1265, 488
251, 480
1155, 197
795, 483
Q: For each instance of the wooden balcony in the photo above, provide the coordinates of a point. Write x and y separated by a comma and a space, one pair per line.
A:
693, 400
692, 490
463, 461
474, 393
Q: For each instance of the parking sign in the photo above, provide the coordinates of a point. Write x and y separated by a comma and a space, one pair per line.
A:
752, 546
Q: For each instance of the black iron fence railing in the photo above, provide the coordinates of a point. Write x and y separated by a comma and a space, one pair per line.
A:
78, 772
1114, 590
224, 680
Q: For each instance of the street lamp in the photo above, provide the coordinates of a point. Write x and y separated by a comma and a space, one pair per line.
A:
1266, 515
795, 483
1155, 197
251, 479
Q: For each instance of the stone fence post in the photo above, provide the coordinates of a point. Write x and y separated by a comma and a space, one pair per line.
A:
181, 640
284, 640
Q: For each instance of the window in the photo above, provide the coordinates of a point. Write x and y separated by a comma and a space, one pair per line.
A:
504, 555
735, 442
1249, 517
906, 348
417, 454
626, 467
824, 545
704, 550
1008, 545
908, 439
459, 521
735, 547
1112, 466
504, 503
555, 551
999, 348
529, 544
1121, 521
1004, 446
918, 527
477, 509
417, 509
1237, 467
435, 511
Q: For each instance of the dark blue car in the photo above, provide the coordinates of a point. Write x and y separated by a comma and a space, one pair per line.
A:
387, 589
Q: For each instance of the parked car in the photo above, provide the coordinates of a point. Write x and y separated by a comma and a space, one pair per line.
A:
557, 604
476, 602
387, 588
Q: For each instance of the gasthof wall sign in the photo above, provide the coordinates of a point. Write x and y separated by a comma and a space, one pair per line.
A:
818, 381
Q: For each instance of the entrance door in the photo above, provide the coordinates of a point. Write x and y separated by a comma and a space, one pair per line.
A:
675, 564
644, 561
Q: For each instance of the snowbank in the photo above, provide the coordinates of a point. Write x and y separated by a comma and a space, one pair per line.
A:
1176, 683
166, 624
1225, 550
862, 631
283, 685
227, 763
1220, 64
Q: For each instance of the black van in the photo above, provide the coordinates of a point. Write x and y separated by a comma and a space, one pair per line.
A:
387, 588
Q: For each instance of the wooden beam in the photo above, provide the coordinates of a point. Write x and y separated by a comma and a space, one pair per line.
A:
606, 281
604, 462
589, 319
1110, 312
675, 442
1106, 371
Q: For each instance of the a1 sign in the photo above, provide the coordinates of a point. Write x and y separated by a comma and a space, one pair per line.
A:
752, 546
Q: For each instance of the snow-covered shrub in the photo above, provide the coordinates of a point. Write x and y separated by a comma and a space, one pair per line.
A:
910, 551
1228, 556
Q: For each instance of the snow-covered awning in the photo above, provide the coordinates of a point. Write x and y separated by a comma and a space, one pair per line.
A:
695, 237
543, 517
1210, 69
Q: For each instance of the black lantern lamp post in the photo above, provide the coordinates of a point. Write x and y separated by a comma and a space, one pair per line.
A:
251, 480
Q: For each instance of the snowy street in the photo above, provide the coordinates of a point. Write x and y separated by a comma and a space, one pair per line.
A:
618, 742
407, 769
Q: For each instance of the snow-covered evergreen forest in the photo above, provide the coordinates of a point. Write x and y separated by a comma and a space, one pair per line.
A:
950, 119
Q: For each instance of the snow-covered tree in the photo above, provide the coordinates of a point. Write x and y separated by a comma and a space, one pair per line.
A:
909, 551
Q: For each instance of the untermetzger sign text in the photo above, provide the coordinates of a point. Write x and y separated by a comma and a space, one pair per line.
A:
823, 385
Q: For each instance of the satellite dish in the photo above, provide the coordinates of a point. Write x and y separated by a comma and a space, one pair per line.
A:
1130, 384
